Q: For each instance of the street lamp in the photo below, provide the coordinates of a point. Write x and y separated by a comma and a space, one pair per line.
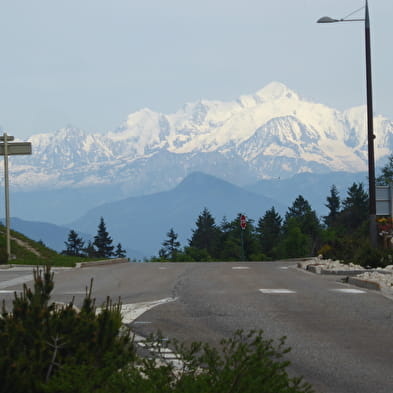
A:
370, 127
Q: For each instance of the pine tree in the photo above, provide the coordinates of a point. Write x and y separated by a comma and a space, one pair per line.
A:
170, 247
206, 236
333, 204
120, 252
355, 207
103, 242
74, 244
89, 250
304, 217
269, 230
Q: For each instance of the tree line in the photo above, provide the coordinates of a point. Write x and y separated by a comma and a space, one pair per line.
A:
341, 234
100, 247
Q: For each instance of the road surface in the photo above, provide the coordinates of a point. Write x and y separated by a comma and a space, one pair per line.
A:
341, 336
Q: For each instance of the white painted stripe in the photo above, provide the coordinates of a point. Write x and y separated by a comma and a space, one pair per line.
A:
16, 281
130, 312
276, 290
346, 290
283, 268
240, 268
8, 291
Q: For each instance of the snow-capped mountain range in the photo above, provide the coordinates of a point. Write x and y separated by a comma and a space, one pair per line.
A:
272, 133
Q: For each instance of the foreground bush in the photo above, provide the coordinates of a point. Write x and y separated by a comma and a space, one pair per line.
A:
46, 348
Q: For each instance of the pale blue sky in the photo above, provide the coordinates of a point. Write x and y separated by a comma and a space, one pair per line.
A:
90, 63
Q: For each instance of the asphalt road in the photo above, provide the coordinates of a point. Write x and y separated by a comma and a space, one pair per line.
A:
341, 336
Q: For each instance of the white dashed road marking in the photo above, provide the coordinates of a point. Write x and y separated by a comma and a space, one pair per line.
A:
240, 268
347, 290
276, 291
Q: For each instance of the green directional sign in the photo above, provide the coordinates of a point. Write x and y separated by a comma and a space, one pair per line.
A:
16, 148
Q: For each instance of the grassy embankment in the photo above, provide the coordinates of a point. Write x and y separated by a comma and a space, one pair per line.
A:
29, 252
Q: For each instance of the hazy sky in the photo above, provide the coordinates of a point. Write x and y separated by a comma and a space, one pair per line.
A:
90, 63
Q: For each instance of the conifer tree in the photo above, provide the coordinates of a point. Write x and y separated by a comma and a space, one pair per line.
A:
74, 244
269, 230
355, 207
103, 242
333, 204
302, 215
170, 247
206, 236
120, 252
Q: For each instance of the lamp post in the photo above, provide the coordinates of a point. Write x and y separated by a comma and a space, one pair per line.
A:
370, 126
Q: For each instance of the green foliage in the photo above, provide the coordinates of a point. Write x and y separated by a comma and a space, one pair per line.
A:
333, 204
43, 345
295, 243
244, 363
355, 208
74, 245
370, 257
102, 241
269, 230
386, 176
3, 256
206, 235
120, 252
171, 247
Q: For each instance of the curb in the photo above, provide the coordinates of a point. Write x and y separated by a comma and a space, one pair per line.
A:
101, 263
364, 283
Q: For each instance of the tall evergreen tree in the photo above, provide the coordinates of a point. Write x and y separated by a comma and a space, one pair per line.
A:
102, 241
333, 204
74, 244
355, 207
269, 231
206, 235
170, 247
306, 219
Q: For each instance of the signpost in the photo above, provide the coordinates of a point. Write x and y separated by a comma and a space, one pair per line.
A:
7, 149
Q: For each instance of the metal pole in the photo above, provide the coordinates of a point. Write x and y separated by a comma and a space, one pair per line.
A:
7, 198
371, 136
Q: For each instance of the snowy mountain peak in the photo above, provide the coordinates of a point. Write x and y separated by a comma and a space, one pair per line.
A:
275, 91
268, 134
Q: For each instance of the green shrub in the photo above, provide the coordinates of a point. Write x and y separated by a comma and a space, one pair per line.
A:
371, 257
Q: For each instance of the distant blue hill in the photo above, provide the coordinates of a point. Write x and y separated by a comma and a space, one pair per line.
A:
142, 222
53, 236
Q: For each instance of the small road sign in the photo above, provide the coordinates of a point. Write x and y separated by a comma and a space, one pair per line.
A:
16, 148
243, 221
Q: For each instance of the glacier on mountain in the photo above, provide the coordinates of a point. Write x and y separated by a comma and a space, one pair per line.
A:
271, 133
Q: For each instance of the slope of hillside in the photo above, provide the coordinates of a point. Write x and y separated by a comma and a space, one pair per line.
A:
142, 222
